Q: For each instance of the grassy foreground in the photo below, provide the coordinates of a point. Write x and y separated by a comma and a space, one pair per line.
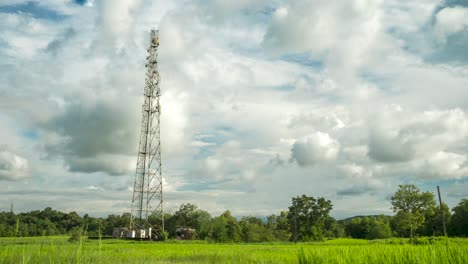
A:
59, 250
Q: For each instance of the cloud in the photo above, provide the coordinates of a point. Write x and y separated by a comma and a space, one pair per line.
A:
314, 148
95, 137
445, 165
360, 189
12, 166
401, 135
385, 147
451, 20
341, 33
230, 167
33, 9
258, 77
115, 26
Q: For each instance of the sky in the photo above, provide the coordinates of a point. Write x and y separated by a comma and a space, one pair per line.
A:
262, 101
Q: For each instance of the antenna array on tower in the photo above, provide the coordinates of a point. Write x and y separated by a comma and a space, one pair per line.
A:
147, 203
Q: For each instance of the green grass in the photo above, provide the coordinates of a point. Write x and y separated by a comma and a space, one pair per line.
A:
59, 250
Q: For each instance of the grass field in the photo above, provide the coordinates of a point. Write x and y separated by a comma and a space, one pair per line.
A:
59, 250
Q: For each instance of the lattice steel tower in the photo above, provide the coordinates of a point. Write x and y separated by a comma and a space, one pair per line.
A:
147, 202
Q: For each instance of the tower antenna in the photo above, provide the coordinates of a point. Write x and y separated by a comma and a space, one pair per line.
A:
147, 202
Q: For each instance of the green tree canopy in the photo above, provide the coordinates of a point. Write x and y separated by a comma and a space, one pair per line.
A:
459, 220
307, 216
412, 207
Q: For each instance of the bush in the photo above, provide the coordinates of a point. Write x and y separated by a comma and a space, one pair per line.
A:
76, 235
164, 235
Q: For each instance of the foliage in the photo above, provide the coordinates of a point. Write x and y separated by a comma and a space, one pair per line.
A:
433, 225
254, 230
444, 252
58, 250
164, 236
412, 207
333, 228
459, 221
279, 226
307, 219
190, 216
307, 216
76, 235
225, 228
371, 227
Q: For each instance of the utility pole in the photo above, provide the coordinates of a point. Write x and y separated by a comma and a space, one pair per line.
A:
441, 211
295, 225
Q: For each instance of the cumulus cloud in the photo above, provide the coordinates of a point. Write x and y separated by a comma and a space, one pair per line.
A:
116, 22
451, 20
12, 166
314, 148
341, 33
445, 165
255, 77
371, 186
95, 137
388, 147
400, 135
230, 167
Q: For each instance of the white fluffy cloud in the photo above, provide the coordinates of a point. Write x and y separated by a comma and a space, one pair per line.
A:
341, 33
245, 85
451, 20
314, 148
402, 135
445, 165
12, 166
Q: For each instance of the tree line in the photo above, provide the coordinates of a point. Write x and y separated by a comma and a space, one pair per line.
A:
307, 219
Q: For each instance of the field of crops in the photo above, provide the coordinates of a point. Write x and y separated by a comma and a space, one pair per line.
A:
59, 250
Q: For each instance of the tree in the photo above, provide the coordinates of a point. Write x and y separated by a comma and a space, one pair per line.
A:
412, 206
378, 227
459, 220
190, 216
433, 225
369, 227
225, 228
254, 230
333, 228
279, 224
307, 216
355, 229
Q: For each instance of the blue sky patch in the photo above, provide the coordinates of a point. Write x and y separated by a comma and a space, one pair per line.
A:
33, 9
303, 59
454, 49
30, 134
80, 2
198, 186
204, 152
284, 88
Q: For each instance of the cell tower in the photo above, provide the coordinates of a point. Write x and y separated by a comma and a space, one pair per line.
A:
147, 202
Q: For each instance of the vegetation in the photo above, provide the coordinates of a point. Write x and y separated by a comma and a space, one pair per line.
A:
319, 238
413, 208
307, 219
58, 250
372, 227
459, 220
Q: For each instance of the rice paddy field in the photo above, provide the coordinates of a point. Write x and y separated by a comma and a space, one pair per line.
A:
59, 250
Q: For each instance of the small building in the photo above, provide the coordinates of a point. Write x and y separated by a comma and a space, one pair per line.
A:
185, 233
119, 232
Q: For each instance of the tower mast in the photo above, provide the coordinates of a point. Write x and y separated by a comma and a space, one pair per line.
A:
147, 202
